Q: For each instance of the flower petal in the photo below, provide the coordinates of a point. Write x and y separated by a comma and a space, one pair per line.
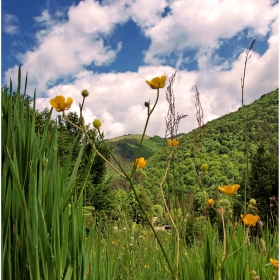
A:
68, 103
162, 81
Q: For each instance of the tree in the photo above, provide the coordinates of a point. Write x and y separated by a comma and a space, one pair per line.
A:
263, 179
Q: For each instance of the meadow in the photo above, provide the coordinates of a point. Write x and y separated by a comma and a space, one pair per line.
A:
51, 231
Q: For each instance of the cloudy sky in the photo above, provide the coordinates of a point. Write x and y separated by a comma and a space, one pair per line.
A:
111, 48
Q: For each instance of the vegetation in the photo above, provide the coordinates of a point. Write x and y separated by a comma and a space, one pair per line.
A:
125, 147
203, 206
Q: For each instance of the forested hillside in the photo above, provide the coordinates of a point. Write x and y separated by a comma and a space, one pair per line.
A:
220, 144
125, 147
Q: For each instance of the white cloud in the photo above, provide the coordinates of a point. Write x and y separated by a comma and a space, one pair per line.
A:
10, 24
66, 50
202, 24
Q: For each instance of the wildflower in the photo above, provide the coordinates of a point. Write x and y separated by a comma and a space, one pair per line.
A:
229, 189
140, 162
204, 167
96, 123
274, 262
250, 220
59, 103
157, 82
210, 202
173, 143
85, 93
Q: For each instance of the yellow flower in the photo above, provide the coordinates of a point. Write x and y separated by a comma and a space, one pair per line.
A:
250, 220
140, 162
96, 123
210, 202
173, 143
59, 103
157, 82
275, 263
229, 189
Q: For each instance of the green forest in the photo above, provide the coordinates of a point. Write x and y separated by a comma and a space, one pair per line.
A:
222, 148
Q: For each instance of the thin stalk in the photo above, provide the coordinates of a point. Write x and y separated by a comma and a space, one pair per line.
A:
93, 146
111, 154
152, 227
226, 251
168, 212
145, 128
245, 120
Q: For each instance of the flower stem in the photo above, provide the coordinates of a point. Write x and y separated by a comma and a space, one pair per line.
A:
92, 145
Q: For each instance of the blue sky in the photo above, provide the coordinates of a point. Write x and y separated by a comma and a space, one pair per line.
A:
112, 47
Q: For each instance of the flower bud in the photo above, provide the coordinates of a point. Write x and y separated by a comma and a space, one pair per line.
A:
252, 201
250, 206
96, 123
204, 167
253, 272
85, 93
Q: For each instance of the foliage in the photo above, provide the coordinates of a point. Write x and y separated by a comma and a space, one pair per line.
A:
222, 149
125, 147
43, 224
264, 181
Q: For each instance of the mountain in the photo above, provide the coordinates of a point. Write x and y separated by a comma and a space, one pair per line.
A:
221, 147
126, 146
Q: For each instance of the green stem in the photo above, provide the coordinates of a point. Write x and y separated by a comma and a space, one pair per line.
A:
226, 251
92, 145
111, 154
145, 128
245, 124
169, 214
151, 226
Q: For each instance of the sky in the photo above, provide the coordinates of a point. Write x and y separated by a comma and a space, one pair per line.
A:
111, 47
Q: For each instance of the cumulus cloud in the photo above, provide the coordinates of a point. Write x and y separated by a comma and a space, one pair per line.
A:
67, 49
202, 25
10, 24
